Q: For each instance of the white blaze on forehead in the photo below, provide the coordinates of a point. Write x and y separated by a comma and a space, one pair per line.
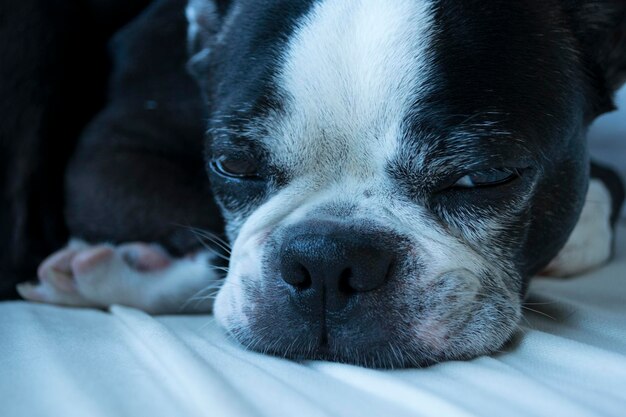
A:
351, 73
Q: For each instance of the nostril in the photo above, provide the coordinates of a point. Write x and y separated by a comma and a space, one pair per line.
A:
299, 277
345, 282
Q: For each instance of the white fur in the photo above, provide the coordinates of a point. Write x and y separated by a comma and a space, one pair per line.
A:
191, 13
187, 285
351, 73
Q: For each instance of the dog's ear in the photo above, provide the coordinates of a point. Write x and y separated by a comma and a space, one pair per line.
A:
600, 28
205, 20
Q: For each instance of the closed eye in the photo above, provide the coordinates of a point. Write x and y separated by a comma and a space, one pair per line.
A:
239, 168
488, 178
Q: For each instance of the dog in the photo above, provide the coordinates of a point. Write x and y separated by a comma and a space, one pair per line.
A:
384, 177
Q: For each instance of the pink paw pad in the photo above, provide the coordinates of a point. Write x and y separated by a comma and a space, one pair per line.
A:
59, 262
89, 259
144, 257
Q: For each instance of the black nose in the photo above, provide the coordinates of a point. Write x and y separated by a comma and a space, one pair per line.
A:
327, 263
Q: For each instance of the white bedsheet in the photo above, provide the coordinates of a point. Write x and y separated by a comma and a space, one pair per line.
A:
66, 362
569, 359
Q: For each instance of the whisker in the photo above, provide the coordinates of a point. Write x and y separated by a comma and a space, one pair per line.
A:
202, 235
212, 250
211, 237
527, 323
541, 304
218, 268
204, 293
539, 312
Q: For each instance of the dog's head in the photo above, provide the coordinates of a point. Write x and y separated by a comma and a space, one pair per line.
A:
392, 172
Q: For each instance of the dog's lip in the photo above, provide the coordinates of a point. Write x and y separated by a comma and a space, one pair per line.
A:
371, 357
323, 346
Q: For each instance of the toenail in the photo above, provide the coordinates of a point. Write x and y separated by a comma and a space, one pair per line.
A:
62, 281
131, 257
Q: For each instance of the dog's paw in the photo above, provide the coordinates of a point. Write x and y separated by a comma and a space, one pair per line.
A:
135, 274
589, 245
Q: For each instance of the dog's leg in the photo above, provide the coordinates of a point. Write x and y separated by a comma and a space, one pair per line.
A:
590, 244
138, 175
54, 70
134, 274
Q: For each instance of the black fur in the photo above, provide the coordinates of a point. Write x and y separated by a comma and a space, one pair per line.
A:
53, 71
138, 172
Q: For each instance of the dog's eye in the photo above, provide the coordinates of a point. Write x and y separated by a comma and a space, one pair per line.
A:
489, 177
237, 167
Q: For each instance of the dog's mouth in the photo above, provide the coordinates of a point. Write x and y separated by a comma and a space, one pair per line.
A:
407, 342
355, 290
310, 339
387, 356
406, 321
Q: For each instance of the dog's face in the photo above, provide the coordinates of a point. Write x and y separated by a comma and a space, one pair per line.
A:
391, 172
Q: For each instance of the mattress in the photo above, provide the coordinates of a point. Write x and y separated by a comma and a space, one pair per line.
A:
567, 359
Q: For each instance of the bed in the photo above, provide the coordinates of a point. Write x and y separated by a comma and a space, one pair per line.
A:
568, 358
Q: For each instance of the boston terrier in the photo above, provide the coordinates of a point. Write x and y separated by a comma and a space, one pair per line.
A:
384, 176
